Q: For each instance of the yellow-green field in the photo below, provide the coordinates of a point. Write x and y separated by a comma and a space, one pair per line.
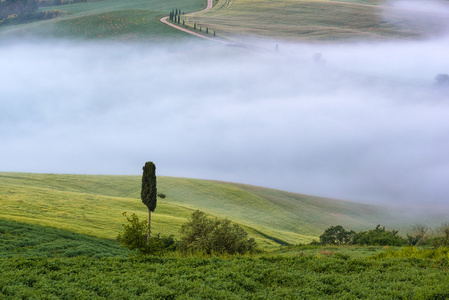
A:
94, 205
312, 20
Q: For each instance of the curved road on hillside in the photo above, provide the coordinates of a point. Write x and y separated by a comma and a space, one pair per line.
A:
209, 6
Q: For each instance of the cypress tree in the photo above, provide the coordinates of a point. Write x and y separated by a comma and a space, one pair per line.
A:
207, 30
149, 191
194, 26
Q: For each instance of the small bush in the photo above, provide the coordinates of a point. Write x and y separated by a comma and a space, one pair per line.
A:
134, 237
205, 235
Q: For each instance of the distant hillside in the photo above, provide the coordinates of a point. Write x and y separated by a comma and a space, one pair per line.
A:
306, 20
107, 19
319, 20
94, 205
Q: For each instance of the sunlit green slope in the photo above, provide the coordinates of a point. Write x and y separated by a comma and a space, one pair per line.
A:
110, 19
94, 205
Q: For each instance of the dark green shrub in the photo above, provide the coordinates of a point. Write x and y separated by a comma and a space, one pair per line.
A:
205, 235
134, 237
336, 235
379, 236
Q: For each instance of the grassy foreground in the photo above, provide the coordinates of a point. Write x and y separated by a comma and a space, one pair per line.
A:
44, 263
93, 205
266, 277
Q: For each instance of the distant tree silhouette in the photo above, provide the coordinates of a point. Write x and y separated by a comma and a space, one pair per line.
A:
18, 7
417, 235
442, 80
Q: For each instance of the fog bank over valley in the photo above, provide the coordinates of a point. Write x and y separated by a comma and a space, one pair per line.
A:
361, 122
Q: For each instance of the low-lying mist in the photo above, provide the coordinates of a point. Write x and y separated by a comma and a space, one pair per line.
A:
361, 122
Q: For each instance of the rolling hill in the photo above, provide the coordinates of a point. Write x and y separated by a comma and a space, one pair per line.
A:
305, 20
93, 205
133, 20
322, 20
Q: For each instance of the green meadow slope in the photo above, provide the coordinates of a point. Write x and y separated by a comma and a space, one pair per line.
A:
306, 20
108, 19
93, 205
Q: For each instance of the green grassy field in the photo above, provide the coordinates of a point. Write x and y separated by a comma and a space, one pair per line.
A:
306, 20
93, 205
313, 20
108, 19
25, 240
43, 263
329, 276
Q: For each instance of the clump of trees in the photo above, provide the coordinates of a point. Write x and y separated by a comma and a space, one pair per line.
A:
379, 236
21, 11
135, 237
442, 80
200, 235
175, 16
442, 238
418, 235
336, 235
17, 7
206, 235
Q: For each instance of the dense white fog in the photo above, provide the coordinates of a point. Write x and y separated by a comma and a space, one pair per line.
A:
361, 122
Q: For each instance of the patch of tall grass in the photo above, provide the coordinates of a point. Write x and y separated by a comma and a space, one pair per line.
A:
439, 254
24, 240
270, 277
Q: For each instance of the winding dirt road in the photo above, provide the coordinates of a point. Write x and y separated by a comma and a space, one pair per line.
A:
209, 6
